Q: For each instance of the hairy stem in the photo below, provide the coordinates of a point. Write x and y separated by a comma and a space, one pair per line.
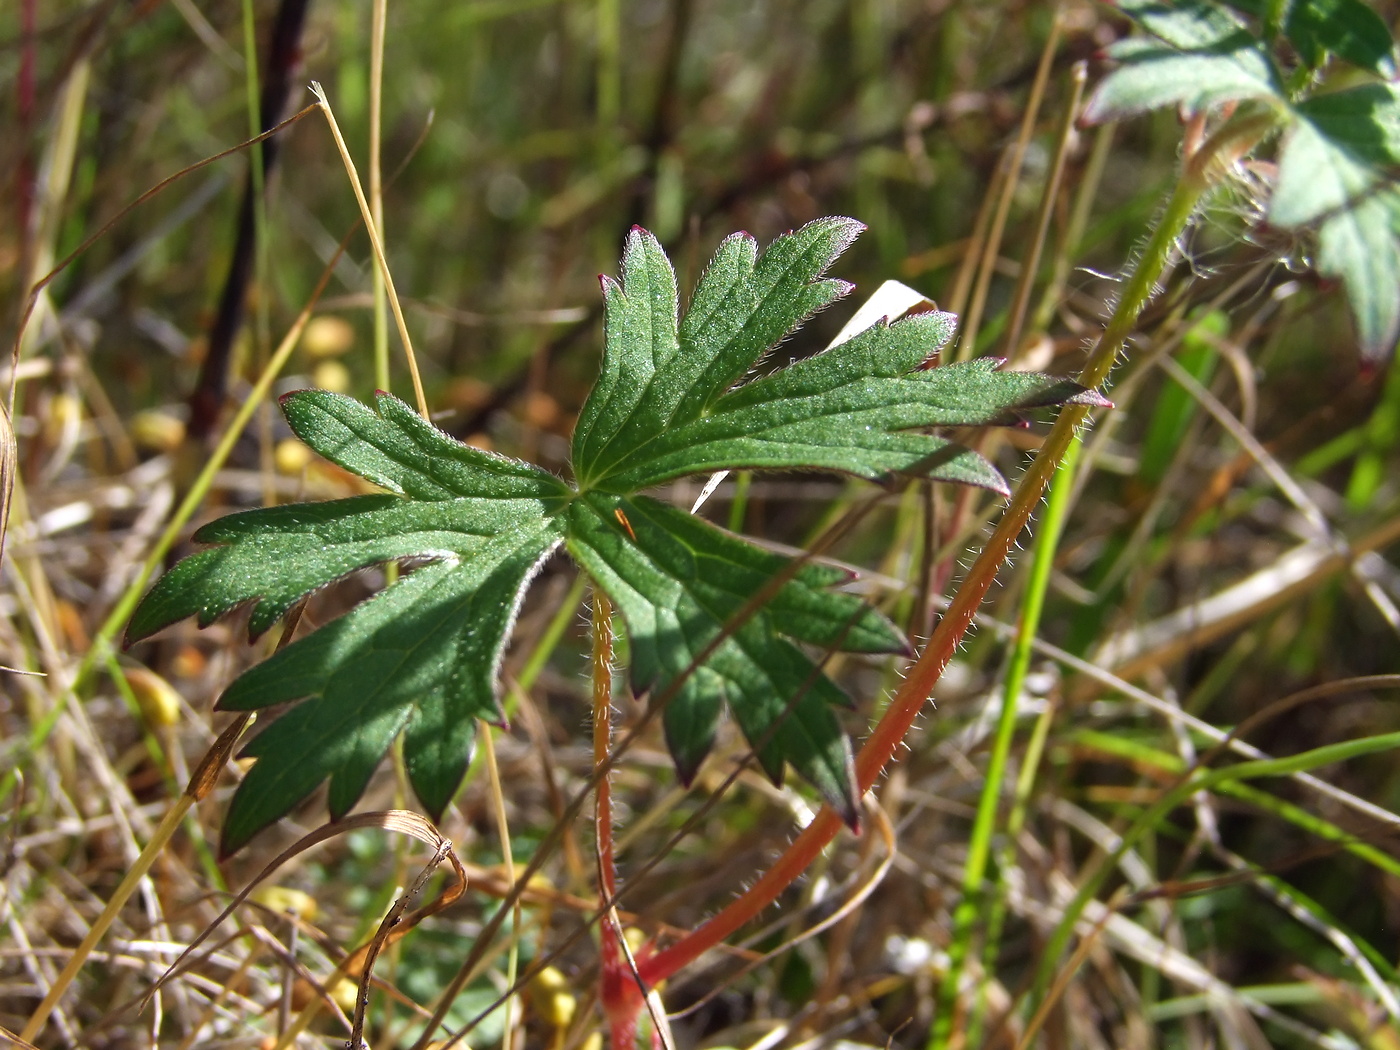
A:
875, 755
617, 988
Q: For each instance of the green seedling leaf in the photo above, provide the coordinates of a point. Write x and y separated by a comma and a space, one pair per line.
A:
1189, 25
1152, 77
1336, 152
713, 622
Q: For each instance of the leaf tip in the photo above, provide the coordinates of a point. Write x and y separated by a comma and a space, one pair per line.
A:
1091, 398
850, 816
233, 838
687, 767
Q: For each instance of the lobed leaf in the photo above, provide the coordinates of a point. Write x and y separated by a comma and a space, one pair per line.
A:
1329, 175
1336, 166
1361, 245
276, 556
1349, 29
421, 658
679, 582
1189, 25
656, 374
854, 409
394, 447
1161, 76
705, 632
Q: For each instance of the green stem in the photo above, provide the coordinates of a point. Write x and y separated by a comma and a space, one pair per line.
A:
974, 898
739, 506
1197, 781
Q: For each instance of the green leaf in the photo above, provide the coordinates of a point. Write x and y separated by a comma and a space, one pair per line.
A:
398, 450
1340, 148
678, 581
421, 657
1316, 176
1160, 76
1363, 121
656, 374
855, 409
1189, 25
1361, 245
713, 622
1349, 29
1325, 178
662, 395
1202, 56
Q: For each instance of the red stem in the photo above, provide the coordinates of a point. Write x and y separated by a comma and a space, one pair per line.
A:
879, 749
1203, 167
618, 989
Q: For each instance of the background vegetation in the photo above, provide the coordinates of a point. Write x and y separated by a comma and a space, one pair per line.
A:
1223, 566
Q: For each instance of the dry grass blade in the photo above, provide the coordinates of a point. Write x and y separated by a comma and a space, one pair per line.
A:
8, 465
1296, 572
393, 927
13, 1040
402, 822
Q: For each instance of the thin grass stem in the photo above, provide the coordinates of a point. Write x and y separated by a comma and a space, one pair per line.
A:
378, 247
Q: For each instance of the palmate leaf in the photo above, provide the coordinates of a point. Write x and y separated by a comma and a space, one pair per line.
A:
420, 657
713, 621
1334, 172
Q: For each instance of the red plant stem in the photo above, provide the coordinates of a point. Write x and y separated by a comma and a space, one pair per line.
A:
1202, 169
602, 741
904, 708
618, 990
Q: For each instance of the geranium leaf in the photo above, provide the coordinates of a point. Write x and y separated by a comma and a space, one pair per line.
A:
421, 658
1330, 174
678, 581
1349, 29
1340, 148
855, 408
1198, 56
657, 373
